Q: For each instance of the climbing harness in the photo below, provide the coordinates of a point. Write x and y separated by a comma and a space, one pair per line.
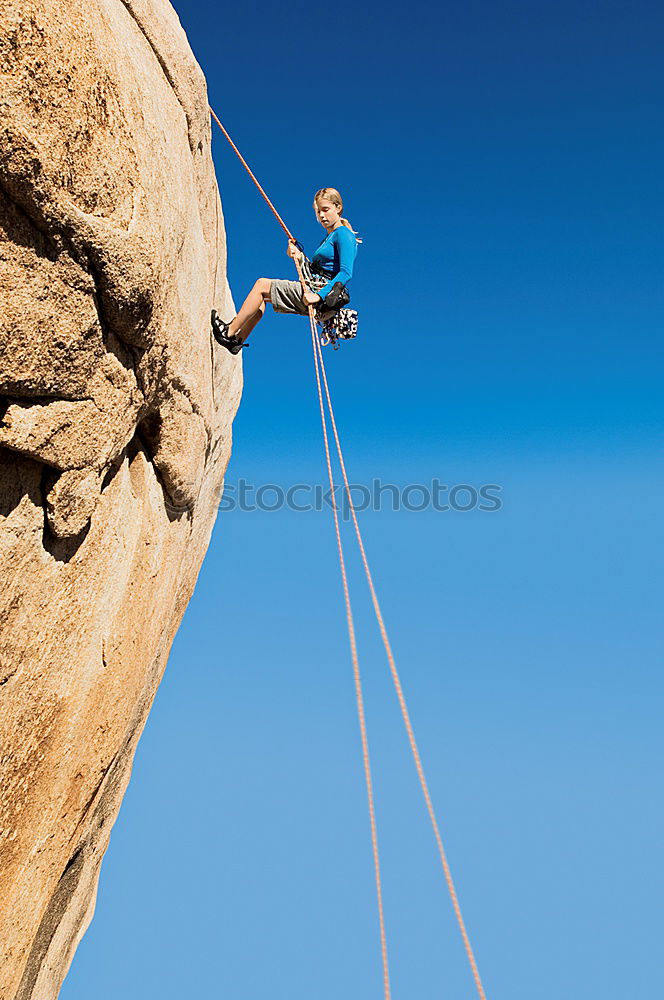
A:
336, 322
324, 397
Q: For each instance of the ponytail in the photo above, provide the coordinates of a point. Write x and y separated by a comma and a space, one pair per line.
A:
346, 223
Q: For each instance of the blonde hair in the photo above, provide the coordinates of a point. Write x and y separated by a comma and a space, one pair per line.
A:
331, 194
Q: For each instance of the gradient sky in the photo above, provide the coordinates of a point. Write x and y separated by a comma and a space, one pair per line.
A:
503, 164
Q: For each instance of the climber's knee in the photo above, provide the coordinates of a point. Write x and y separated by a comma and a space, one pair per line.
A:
263, 286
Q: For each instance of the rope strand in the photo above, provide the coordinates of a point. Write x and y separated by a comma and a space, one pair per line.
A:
402, 701
251, 174
356, 670
318, 361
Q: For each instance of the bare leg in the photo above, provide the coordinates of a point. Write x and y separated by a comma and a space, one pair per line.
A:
253, 321
252, 305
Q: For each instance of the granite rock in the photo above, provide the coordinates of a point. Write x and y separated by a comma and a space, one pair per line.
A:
115, 431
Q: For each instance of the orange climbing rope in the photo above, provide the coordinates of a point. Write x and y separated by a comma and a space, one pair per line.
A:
402, 701
253, 177
356, 665
320, 371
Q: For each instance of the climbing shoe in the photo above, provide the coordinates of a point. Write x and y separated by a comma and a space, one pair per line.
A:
221, 335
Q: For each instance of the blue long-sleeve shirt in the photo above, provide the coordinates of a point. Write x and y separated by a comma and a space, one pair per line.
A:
335, 257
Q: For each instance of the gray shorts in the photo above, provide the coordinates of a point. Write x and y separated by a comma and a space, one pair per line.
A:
286, 296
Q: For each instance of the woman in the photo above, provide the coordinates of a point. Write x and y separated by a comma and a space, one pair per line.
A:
332, 262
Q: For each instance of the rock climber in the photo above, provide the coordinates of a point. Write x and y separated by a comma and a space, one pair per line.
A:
331, 265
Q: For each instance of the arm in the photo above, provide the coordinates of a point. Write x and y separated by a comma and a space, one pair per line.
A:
298, 256
346, 244
293, 251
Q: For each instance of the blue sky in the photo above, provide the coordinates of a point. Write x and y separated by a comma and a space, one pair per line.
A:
503, 164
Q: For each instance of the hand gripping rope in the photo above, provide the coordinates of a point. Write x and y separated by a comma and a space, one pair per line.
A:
321, 381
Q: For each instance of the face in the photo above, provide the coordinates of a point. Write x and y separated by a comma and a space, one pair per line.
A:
328, 214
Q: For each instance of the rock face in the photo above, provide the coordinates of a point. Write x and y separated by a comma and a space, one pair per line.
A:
115, 417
